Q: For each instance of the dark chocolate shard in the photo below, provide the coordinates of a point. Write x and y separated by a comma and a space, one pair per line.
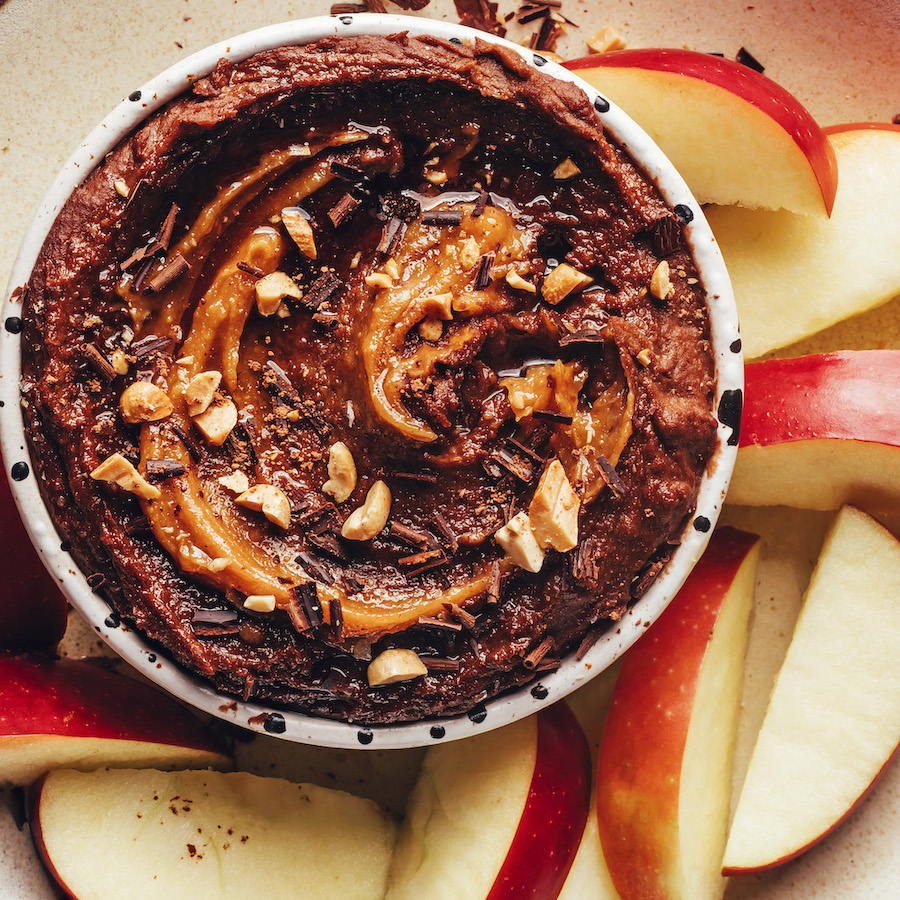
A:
440, 624
665, 235
587, 642
157, 470
610, 476
483, 275
191, 445
309, 597
391, 235
582, 336
746, 58
342, 210
426, 476
410, 536
451, 543
314, 567
328, 542
549, 416
297, 614
149, 345
336, 614
463, 616
437, 664
642, 583
482, 201
346, 9
138, 284
138, 525
442, 217
214, 616
321, 291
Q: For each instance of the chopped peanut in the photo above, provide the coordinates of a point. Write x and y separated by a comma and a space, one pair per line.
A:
144, 402
217, 422
300, 230
379, 279
121, 187
516, 281
395, 665
518, 540
368, 520
644, 357
431, 329
119, 361
341, 472
562, 281
660, 284
605, 40
261, 603
565, 170
391, 269
120, 471
200, 391
271, 501
237, 482
271, 289
553, 512
470, 254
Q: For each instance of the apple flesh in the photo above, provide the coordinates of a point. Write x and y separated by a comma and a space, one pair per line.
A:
32, 608
664, 769
120, 833
833, 721
733, 134
498, 816
820, 431
71, 713
795, 275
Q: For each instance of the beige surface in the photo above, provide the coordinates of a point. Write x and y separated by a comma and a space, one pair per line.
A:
63, 65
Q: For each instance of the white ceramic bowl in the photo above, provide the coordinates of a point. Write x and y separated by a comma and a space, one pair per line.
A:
296, 726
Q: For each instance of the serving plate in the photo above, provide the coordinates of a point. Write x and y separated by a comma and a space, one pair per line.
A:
46, 110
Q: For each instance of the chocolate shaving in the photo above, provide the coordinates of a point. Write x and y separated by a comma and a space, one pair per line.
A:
530, 13
548, 664
166, 230
143, 253
531, 661
250, 269
482, 201
138, 284
442, 217
746, 58
410, 536
642, 583
346, 172
549, 416
309, 597
328, 542
148, 345
214, 617
425, 476
173, 269
520, 467
321, 291
550, 32
99, 363
192, 447
463, 616
239, 444
162, 469
211, 630
134, 192
431, 564
336, 614
308, 511
314, 567
390, 236
447, 533
610, 476
587, 642
493, 591
346, 9
342, 210
426, 556
249, 687
443, 624
483, 275
582, 336
665, 235
435, 664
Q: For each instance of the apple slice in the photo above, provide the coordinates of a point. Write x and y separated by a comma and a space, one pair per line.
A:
71, 713
795, 275
820, 431
32, 608
142, 833
664, 772
833, 721
498, 816
734, 135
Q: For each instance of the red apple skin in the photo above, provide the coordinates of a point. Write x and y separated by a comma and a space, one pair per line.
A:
76, 698
556, 811
848, 395
33, 802
32, 608
643, 739
763, 93
861, 126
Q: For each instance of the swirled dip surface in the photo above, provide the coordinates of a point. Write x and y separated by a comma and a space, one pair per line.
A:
418, 260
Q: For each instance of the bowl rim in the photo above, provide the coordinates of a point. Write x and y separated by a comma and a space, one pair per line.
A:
300, 727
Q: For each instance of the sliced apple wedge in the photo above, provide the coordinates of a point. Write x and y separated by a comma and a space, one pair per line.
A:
833, 721
120, 833
735, 135
796, 275
70, 713
32, 608
820, 431
664, 771
498, 816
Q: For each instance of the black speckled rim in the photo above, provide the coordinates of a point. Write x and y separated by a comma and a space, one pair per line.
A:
296, 726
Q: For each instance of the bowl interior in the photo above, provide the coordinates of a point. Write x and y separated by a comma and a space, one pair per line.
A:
296, 726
